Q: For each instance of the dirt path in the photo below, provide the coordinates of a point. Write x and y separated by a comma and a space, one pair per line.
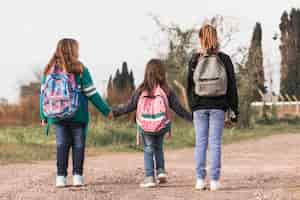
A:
265, 169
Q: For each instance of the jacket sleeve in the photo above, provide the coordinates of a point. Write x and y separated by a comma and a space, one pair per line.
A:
190, 81
127, 108
90, 91
232, 93
178, 108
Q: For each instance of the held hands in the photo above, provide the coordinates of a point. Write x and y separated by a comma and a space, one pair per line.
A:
169, 136
43, 122
233, 117
110, 116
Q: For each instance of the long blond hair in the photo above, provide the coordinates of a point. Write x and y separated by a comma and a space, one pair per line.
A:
66, 57
209, 39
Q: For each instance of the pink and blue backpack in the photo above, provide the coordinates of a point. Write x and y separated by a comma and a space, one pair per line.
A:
153, 112
60, 94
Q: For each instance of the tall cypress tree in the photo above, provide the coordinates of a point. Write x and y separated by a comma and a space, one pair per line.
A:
284, 48
124, 69
290, 52
110, 86
250, 78
255, 63
117, 80
131, 78
125, 78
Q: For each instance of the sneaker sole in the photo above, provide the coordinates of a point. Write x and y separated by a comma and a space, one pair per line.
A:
149, 185
200, 188
213, 190
216, 187
78, 185
60, 186
162, 180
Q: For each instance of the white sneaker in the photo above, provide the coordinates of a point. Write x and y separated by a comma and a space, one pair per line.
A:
162, 178
200, 184
215, 185
61, 181
78, 180
148, 182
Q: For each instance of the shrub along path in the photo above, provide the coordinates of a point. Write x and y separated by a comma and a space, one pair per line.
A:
267, 168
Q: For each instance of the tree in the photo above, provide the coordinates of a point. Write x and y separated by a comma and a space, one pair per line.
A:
290, 52
255, 64
284, 26
110, 87
121, 86
250, 78
29, 101
244, 88
180, 46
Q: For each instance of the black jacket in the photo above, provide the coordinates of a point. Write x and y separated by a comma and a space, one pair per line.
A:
230, 100
173, 102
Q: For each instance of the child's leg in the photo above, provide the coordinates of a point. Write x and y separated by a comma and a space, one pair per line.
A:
216, 124
63, 143
159, 153
148, 154
201, 128
78, 148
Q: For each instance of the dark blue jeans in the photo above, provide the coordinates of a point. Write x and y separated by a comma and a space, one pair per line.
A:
70, 135
153, 150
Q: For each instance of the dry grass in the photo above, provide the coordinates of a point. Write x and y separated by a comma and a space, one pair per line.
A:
24, 144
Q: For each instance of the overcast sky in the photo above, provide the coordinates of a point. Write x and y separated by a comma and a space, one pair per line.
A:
113, 31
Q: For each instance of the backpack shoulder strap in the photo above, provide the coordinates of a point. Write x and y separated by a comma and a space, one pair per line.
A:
164, 97
193, 61
218, 56
79, 79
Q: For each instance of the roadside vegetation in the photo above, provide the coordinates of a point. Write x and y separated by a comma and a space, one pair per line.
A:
27, 144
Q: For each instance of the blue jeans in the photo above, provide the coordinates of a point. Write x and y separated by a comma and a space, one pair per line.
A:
70, 135
209, 126
153, 150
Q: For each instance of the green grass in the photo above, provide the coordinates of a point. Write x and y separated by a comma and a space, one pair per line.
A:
25, 144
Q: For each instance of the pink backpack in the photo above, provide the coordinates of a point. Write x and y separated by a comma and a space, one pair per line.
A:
153, 112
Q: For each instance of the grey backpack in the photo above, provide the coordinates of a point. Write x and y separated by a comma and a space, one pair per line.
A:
210, 76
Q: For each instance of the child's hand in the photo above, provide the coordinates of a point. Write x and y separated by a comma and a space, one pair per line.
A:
43, 122
110, 116
169, 136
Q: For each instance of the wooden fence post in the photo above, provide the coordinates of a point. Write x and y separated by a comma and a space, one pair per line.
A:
297, 104
283, 110
281, 97
290, 102
264, 102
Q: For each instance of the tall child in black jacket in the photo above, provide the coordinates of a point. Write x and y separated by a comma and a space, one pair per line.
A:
209, 111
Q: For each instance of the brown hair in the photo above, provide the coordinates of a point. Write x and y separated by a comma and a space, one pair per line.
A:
155, 74
66, 57
209, 39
